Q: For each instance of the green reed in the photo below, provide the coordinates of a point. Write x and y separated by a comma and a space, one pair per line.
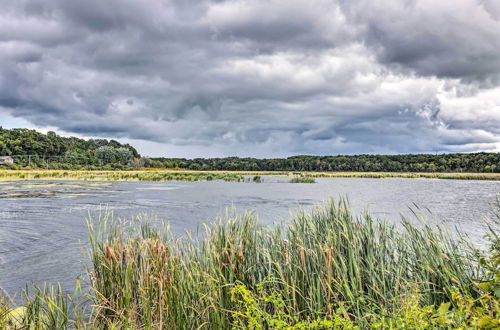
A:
168, 175
142, 277
145, 278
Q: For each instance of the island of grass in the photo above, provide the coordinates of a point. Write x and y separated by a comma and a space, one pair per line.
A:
303, 179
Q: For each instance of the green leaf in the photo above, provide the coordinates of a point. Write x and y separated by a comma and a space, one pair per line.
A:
485, 286
486, 322
496, 292
443, 308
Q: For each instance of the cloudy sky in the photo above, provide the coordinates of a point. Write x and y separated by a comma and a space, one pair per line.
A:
262, 78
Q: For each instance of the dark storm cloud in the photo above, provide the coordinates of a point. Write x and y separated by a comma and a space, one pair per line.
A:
257, 77
457, 39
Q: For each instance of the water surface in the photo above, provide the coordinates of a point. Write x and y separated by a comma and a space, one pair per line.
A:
43, 227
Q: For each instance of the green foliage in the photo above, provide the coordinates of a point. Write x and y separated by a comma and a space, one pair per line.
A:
119, 175
303, 179
262, 310
56, 152
472, 162
325, 269
257, 179
462, 311
38, 150
45, 308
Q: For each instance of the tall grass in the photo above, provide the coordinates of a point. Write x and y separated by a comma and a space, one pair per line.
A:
406, 175
322, 261
187, 175
118, 175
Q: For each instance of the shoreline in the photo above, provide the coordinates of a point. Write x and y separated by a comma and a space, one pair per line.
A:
192, 175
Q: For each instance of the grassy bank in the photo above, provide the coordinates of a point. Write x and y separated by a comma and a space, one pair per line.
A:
409, 175
184, 175
7, 175
324, 269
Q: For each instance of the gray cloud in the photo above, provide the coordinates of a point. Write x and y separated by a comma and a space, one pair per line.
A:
446, 39
257, 77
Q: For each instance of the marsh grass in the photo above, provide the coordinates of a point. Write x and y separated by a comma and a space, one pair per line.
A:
323, 259
185, 175
6, 175
303, 179
406, 175
45, 307
324, 267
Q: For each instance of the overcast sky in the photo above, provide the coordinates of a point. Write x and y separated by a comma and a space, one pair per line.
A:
256, 78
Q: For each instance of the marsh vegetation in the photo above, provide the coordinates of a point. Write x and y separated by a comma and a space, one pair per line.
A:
324, 269
183, 175
303, 179
118, 175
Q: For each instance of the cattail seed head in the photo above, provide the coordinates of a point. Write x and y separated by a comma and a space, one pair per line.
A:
286, 244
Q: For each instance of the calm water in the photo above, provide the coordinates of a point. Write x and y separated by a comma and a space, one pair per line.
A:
43, 228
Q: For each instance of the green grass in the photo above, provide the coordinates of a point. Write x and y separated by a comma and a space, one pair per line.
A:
303, 180
325, 268
186, 175
406, 175
119, 175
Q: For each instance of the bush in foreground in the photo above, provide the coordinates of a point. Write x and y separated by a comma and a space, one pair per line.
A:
325, 269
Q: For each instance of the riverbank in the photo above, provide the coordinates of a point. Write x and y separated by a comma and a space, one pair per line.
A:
185, 175
143, 175
324, 269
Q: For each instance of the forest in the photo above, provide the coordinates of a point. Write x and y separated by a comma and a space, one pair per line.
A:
32, 149
457, 162
29, 148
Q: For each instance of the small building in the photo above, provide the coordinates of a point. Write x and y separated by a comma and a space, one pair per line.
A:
6, 160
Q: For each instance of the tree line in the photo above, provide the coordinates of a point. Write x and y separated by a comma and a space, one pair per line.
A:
38, 150
481, 162
30, 148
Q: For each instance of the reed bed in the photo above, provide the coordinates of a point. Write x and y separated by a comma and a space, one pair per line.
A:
407, 175
324, 269
7, 175
187, 175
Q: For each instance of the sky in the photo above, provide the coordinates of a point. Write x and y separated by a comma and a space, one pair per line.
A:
261, 78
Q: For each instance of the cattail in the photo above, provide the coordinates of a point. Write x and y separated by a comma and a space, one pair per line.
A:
240, 253
303, 257
124, 256
228, 255
329, 258
286, 243
110, 254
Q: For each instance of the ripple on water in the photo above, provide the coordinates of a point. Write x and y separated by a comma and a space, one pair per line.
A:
43, 228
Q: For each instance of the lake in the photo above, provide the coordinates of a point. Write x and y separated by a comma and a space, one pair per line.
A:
43, 223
